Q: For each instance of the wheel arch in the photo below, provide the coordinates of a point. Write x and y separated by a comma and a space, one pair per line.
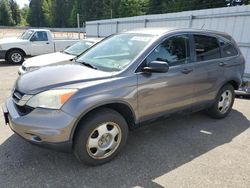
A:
8, 51
121, 107
234, 82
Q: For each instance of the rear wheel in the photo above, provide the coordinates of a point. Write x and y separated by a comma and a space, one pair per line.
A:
15, 57
223, 103
100, 137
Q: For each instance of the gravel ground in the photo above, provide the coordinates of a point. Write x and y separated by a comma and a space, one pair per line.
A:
181, 151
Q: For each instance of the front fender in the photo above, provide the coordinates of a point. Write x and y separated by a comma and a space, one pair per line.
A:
23, 47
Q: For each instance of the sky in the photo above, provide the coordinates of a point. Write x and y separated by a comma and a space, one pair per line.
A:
21, 3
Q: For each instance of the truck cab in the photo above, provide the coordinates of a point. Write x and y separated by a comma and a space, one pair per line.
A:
32, 42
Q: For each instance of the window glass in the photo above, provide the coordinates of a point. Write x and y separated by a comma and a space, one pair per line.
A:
206, 48
27, 34
174, 51
78, 48
227, 49
40, 36
116, 52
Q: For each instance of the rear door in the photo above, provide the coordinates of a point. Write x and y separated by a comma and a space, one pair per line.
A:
40, 44
159, 93
208, 68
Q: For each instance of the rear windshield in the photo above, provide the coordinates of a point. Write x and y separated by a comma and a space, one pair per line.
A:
78, 48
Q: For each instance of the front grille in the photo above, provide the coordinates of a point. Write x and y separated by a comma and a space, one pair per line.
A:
20, 100
23, 110
17, 96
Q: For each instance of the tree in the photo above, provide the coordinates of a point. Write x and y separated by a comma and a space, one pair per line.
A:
72, 19
132, 8
15, 11
58, 13
35, 16
47, 12
5, 14
24, 15
61, 11
155, 6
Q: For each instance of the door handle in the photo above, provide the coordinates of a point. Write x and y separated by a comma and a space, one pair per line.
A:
186, 71
222, 64
47, 42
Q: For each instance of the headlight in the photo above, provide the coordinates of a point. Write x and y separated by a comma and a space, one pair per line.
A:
52, 99
30, 68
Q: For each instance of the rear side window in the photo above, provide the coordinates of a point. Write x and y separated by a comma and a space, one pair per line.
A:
227, 49
206, 48
174, 51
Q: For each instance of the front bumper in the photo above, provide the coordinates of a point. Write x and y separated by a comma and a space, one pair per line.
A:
44, 127
3, 54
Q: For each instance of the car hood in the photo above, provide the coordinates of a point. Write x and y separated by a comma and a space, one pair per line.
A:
47, 59
11, 40
57, 76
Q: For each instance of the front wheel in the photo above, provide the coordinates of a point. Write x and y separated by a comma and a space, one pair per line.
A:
15, 57
223, 103
100, 137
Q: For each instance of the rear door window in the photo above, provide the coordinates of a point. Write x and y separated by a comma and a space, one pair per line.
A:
206, 48
227, 49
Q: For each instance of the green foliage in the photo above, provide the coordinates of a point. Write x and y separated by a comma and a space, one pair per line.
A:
47, 12
16, 13
5, 14
24, 15
132, 8
36, 17
63, 13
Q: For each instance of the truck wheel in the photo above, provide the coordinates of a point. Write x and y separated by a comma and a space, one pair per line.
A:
100, 137
15, 57
223, 103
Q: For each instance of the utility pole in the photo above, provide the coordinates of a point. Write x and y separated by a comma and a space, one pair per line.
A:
78, 25
111, 9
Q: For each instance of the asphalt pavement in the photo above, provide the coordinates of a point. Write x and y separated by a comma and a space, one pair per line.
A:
181, 151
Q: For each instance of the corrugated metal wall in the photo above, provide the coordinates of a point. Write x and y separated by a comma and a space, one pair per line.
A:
233, 20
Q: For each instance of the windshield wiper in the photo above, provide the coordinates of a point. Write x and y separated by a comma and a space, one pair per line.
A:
88, 65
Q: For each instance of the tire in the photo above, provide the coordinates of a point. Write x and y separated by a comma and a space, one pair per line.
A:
15, 57
223, 102
100, 137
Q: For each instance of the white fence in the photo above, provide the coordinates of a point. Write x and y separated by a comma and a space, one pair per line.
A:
233, 20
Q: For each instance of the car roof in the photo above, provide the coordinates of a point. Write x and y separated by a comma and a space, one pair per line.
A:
39, 30
95, 40
164, 30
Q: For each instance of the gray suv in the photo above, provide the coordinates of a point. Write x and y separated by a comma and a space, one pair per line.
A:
125, 80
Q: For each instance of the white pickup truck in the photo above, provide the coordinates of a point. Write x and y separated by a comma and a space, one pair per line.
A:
32, 42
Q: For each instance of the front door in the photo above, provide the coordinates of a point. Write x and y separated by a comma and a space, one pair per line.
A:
160, 93
40, 44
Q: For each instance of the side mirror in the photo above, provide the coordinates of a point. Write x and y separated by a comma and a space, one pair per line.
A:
156, 67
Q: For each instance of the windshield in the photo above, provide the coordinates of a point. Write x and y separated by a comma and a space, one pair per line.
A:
116, 52
78, 48
26, 35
